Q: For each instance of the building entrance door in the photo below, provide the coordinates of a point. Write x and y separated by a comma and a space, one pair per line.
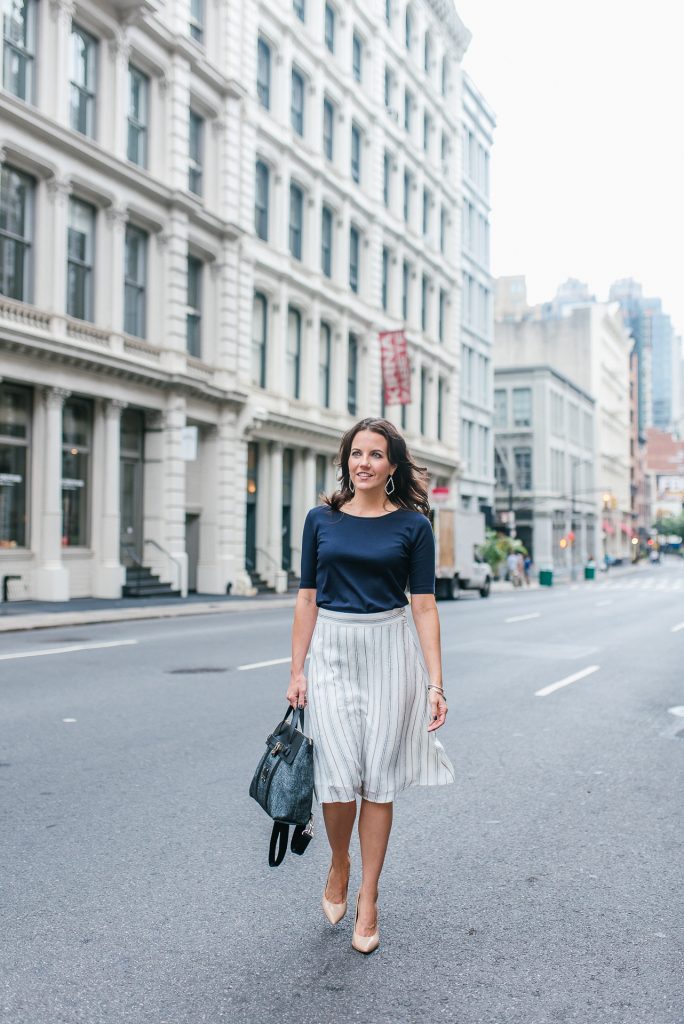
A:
192, 546
251, 507
131, 499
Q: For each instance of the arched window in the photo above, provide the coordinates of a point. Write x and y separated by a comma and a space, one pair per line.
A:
427, 59
294, 351
259, 337
409, 27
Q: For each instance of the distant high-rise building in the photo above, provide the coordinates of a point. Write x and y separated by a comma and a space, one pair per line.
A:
654, 339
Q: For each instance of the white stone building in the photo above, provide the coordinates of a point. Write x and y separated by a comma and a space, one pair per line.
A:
587, 343
544, 457
476, 484
209, 210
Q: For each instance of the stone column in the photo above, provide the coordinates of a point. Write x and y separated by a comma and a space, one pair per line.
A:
109, 575
174, 491
120, 51
111, 252
277, 577
50, 579
51, 259
208, 569
53, 67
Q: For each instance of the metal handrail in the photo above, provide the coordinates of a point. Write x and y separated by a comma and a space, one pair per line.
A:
271, 559
168, 554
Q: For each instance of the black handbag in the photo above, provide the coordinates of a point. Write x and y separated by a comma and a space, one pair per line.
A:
283, 786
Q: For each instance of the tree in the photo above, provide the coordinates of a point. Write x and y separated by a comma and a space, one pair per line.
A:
497, 547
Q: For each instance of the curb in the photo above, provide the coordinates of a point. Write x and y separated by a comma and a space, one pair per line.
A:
48, 620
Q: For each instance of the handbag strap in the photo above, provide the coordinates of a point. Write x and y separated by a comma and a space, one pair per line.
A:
297, 719
278, 846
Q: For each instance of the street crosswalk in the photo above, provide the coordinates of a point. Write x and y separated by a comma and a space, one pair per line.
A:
652, 583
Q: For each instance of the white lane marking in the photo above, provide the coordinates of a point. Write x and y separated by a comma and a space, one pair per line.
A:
265, 664
603, 604
68, 719
68, 650
675, 629
523, 618
678, 711
566, 682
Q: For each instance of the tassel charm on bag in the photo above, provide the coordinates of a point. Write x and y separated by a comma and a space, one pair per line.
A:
283, 786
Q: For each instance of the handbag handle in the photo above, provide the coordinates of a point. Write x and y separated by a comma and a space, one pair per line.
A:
297, 719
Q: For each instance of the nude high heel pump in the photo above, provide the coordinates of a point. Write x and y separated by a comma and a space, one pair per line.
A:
333, 911
364, 943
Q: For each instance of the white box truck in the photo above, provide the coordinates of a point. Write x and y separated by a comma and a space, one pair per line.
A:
458, 538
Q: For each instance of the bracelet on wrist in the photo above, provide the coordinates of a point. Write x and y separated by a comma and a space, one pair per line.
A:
439, 689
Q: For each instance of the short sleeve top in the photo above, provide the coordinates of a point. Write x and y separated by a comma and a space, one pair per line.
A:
365, 564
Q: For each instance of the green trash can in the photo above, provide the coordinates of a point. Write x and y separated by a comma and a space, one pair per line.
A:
590, 572
546, 577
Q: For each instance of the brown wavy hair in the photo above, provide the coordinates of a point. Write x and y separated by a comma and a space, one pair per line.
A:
410, 479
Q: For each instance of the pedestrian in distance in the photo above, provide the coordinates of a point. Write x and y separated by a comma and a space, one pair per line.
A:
374, 701
513, 566
527, 569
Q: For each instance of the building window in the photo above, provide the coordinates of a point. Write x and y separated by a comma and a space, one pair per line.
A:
386, 178
427, 129
523, 468
407, 196
427, 53
259, 336
522, 407
138, 114
408, 110
15, 419
329, 28
425, 299
442, 315
405, 284
294, 351
328, 129
297, 102
197, 20
500, 408
135, 281
81, 249
83, 81
357, 57
409, 28
440, 409
500, 474
326, 240
299, 7
388, 87
445, 75
261, 200
76, 445
442, 230
388, 11
264, 74
423, 400
385, 276
354, 259
427, 203
16, 232
196, 146
356, 153
19, 40
324, 354
352, 373
296, 218
193, 317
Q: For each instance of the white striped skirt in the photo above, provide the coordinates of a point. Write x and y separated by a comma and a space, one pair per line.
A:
368, 709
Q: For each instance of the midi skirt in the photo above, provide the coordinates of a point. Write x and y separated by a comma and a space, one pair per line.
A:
369, 710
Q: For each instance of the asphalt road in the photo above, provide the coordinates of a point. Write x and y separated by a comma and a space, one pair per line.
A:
545, 887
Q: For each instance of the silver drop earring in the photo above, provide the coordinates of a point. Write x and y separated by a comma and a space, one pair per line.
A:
351, 486
390, 481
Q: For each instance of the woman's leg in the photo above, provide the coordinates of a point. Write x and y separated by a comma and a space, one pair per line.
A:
375, 824
339, 822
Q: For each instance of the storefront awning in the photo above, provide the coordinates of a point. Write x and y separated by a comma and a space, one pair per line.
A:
608, 528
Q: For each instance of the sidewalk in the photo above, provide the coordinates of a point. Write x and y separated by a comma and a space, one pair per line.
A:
87, 611
562, 577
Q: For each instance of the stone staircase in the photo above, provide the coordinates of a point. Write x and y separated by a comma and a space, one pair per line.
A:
141, 582
263, 587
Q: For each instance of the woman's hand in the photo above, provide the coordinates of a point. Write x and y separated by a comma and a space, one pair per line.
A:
296, 691
438, 710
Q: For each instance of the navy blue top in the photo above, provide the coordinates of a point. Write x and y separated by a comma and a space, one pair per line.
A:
364, 564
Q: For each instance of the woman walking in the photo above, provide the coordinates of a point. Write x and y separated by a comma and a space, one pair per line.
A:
374, 703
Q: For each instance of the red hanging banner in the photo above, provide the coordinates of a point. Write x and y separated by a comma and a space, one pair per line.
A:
396, 371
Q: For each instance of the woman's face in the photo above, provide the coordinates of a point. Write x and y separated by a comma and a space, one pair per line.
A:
369, 465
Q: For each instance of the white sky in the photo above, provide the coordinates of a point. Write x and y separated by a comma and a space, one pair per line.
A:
588, 159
